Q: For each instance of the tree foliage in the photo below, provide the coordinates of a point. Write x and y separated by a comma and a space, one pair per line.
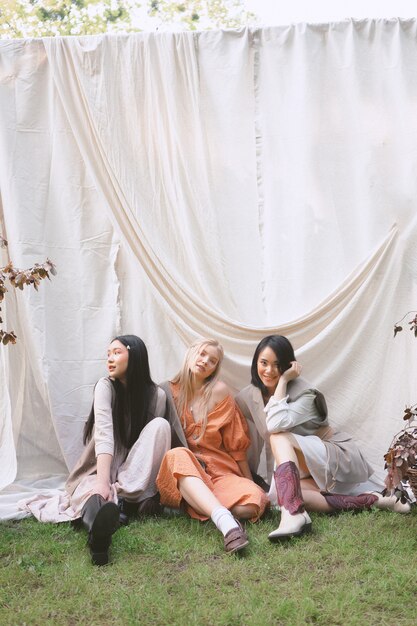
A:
401, 457
202, 14
47, 18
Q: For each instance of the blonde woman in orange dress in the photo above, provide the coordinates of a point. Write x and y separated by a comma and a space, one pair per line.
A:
208, 474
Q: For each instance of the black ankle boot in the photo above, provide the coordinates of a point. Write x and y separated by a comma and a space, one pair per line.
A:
101, 519
150, 507
127, 510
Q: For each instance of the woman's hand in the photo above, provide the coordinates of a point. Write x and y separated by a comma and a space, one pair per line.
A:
293, 372
244, 468
103, 489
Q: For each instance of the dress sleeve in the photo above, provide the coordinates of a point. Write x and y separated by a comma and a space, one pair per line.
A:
103, 429
283, 415
235, 432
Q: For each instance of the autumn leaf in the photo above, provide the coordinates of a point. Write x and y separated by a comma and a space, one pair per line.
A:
388, 457
19, 279
6, 338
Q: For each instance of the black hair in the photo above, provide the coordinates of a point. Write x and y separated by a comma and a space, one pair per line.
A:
131, 406
283, 351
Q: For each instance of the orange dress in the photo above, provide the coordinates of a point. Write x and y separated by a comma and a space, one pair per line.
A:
213, 459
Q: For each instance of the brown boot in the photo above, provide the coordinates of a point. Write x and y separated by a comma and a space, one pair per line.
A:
340, 502
295, 520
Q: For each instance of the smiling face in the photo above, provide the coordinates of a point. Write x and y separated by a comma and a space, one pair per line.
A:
268, 369
205, 362
117, 360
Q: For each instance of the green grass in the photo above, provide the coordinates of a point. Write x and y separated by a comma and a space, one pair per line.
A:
353, 570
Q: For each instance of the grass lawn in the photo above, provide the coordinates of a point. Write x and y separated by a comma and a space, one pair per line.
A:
353, 570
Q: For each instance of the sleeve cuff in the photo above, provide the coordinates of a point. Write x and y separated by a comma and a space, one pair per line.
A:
274, 402
103, 448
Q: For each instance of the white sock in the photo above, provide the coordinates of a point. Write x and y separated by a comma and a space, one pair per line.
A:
223, 519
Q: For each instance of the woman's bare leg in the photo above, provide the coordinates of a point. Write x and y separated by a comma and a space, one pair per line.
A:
196, 493
283, 447
203, 501
313, 500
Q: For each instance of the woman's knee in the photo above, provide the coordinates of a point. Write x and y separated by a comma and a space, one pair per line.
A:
244, 511
284, 447
159, 430
174, 453
160, 424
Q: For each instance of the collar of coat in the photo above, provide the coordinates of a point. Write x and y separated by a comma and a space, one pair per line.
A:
295, 389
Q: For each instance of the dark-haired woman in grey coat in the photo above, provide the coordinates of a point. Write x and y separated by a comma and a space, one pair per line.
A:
317, 468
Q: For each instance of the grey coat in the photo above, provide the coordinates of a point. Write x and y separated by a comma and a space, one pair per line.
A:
345, 462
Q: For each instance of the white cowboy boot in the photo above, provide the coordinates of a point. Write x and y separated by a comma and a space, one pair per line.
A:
294, 519
390, 503
291, 525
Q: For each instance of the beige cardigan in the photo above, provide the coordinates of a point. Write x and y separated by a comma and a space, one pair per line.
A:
87, 464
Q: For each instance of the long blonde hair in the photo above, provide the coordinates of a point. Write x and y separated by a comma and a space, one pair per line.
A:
185, 379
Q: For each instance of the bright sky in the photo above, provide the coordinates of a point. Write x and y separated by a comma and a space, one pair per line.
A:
274, 12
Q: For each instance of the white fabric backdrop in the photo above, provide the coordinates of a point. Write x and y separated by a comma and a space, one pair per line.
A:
228, 184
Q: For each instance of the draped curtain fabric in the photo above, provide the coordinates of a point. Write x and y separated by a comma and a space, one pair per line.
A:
229, 184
